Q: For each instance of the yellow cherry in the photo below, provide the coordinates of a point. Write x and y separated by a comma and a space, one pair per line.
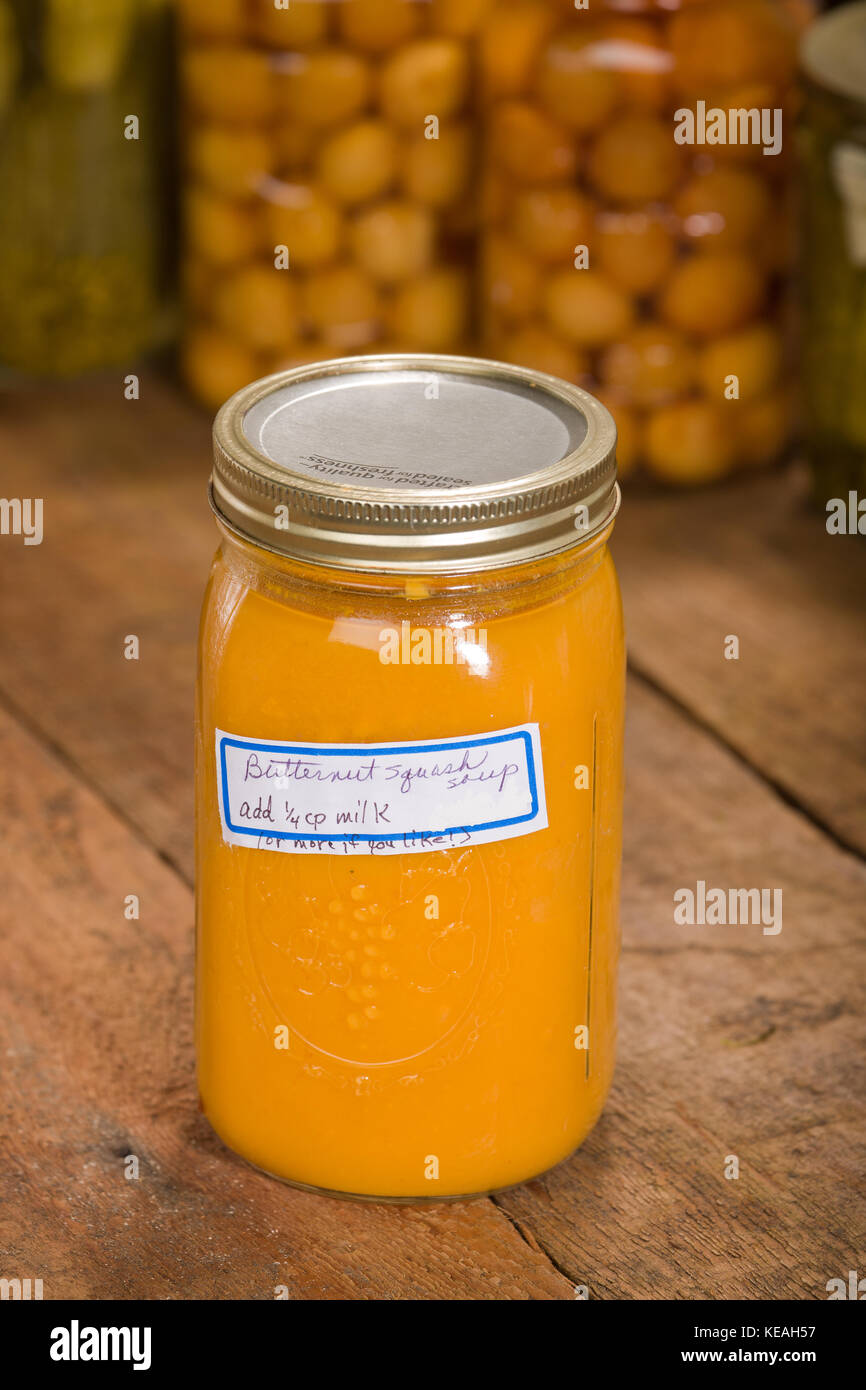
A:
692, 442
712, 294
587, 307
359, 162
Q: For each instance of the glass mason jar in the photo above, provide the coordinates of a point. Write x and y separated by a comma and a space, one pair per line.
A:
328, 161
409, 776
626, 247
833, 136
85, 183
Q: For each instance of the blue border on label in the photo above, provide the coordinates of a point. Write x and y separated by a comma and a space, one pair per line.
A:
444, 745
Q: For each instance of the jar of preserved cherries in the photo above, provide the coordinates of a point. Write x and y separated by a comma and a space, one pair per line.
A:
328, 164
409, 776
638, 220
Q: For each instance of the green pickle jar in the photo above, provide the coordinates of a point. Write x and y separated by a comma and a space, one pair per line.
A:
85, 178
833, 147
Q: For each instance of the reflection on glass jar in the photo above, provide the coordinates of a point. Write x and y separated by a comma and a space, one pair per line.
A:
328, 160
638, 221
409, 776
85, 233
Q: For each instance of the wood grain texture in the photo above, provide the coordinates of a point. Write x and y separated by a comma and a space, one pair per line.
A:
731, 1042
96, 1037
753, 559
128, 543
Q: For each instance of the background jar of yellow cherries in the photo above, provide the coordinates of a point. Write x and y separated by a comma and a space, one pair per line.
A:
624, 245
85, 122
328, 191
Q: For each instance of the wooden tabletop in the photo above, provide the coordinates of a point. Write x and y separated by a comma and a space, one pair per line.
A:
746, 773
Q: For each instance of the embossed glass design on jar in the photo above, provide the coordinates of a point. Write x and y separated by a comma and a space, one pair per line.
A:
409, 743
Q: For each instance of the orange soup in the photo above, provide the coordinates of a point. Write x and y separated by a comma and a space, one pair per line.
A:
409, 777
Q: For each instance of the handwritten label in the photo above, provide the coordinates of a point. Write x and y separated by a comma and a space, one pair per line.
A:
380, 798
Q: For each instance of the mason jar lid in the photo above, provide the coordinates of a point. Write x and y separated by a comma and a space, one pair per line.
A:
833, 52
402, 464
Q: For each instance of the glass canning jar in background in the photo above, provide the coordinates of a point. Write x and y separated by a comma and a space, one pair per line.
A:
85, 231
688, 246
327, 188
833, 139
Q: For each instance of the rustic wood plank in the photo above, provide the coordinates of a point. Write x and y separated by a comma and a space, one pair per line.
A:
95, 1032
732, 1042
754, 559
128, 544
747, 558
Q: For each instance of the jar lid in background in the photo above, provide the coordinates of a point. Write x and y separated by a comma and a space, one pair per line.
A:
833, 52
414, 463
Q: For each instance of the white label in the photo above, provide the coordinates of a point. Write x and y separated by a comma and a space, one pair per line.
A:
380, 798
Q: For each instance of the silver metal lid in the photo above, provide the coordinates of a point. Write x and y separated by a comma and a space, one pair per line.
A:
402, 464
